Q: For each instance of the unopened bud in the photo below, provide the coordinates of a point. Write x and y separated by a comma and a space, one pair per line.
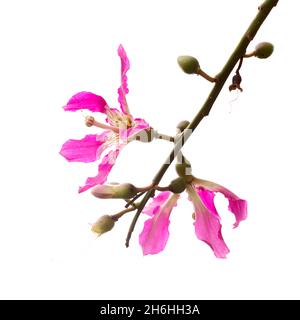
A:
263, 50
103, 224
184, 170
120, 191
178, 185
188, 64
182, 125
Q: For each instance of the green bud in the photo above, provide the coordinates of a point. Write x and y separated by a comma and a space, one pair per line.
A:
178, 185
184, 170
182, 125
119, 191
263, 50
126, 191
188, 64
103, 224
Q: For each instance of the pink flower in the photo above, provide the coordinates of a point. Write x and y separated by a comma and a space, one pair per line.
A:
155, 234
120, 128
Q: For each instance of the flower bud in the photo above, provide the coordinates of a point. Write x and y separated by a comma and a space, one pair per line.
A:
103, 224
188, 64
178, 185
119, 191
263, 50
182, 125
184, 170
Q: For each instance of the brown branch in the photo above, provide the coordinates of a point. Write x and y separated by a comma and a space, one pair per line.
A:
238, 52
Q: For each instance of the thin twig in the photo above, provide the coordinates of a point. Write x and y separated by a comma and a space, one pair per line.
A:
249, 55
206, 76
135, 205
131, 201
164, 137
158, 188
117, 216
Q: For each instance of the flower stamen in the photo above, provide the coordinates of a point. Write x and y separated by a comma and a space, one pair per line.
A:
90, 121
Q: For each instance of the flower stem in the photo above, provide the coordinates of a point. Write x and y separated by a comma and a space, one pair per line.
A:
206, 76
164, 137
144, 189
132, 204
249, 55
158, 188
117, 216
238, 52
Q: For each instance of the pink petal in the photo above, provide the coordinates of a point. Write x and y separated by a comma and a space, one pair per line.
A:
207, 198
207, 224
87, 149
152, 208
86, 100
155, 234
236, 205
123, 89
104, 169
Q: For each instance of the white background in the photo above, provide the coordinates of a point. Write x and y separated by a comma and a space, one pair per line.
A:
51, 50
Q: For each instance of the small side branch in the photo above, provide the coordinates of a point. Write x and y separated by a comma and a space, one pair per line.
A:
206, 76
164, 137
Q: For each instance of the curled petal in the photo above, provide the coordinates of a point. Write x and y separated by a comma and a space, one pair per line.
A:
236, 205
155, 234
239, 208
153, 207
87, 149
86, 100
207, 224
104, 169
207, 198
123, 89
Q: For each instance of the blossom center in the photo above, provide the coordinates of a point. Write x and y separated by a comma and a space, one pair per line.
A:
119, 120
